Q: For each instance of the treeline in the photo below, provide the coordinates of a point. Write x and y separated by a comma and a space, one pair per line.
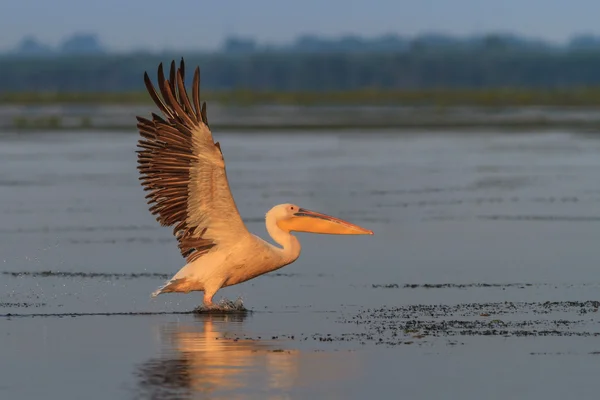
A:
413, 70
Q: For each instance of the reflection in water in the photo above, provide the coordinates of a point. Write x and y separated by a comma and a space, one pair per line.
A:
213, 358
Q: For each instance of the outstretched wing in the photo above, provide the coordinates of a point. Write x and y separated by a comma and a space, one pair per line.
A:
184, 169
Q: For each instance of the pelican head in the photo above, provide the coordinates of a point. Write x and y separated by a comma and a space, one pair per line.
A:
290, 217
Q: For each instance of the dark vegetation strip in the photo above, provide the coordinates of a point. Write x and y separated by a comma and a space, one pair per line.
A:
98, 314
240, 311
469, 285
111, 275
114, 275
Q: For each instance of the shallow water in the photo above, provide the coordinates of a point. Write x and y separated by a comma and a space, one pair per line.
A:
481, 280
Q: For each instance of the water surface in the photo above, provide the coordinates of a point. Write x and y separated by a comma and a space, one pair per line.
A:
481, 279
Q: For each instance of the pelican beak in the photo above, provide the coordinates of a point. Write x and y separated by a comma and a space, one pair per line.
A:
314, 222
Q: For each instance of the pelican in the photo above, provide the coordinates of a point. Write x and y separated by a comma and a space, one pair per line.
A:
183, 170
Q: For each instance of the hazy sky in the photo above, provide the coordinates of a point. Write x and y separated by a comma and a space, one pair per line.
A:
203, 24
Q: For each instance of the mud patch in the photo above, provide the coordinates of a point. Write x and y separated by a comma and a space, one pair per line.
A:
501, 183
21, 305
416, 323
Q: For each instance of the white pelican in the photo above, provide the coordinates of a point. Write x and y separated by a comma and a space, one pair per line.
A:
184, 171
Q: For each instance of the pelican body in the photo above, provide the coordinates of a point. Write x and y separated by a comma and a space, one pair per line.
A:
184, 171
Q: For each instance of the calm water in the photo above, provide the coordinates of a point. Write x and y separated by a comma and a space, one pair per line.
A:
481, 280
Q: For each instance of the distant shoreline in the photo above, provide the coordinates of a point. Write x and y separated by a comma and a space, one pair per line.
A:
307, 129
570, 97
230, 111
55, 124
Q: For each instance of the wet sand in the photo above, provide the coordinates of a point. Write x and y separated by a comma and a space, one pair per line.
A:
481, 280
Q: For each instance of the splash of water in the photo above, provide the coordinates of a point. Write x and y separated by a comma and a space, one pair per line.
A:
223, 306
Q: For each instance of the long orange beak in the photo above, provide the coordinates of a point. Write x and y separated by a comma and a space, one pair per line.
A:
314, 222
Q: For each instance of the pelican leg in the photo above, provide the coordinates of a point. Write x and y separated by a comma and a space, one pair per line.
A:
208, 300
210, 289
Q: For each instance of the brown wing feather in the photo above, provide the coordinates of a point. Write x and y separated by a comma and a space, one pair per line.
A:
176, 151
